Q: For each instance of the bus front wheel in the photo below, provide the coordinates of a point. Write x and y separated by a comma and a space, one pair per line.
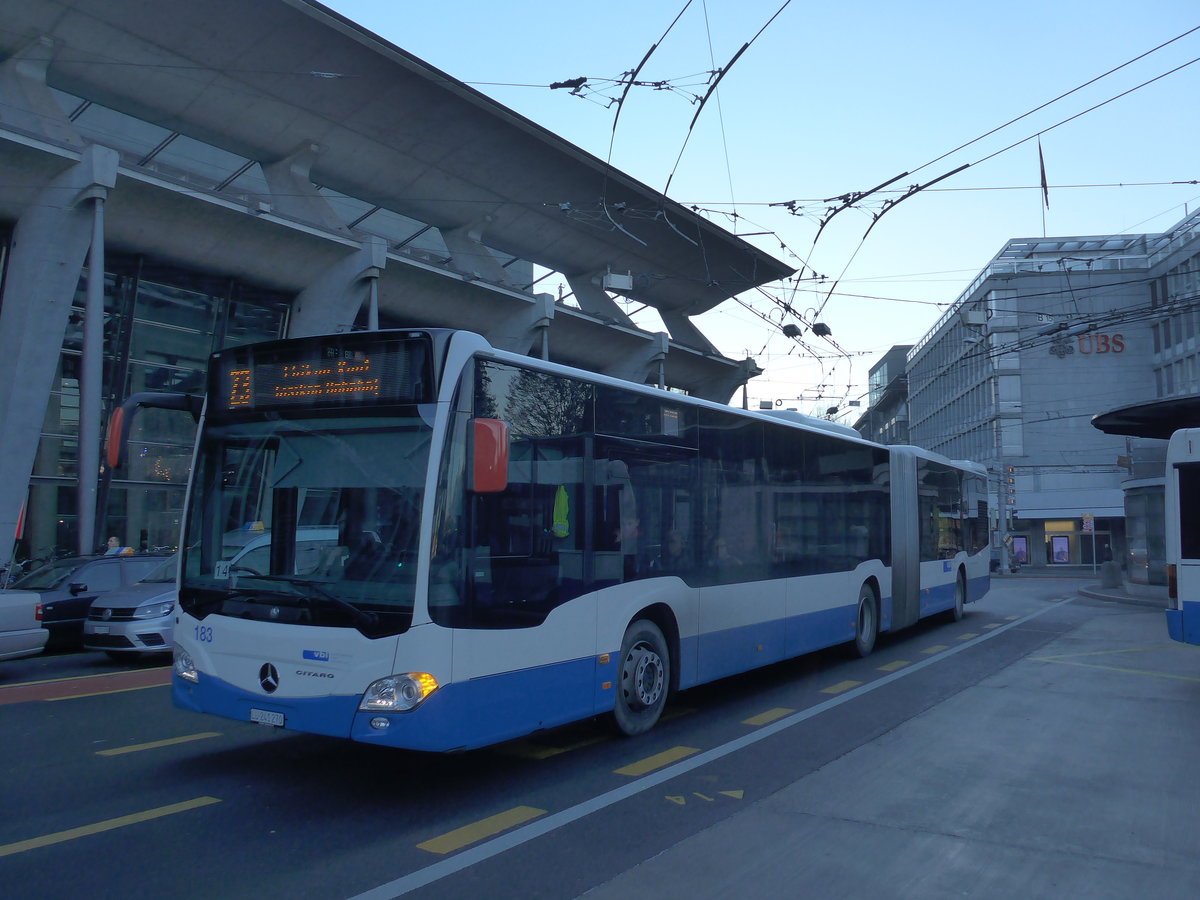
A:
866, 626
644, 676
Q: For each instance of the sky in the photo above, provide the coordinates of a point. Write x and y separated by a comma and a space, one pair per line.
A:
829, 99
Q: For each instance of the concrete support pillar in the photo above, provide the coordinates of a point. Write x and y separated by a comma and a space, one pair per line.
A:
593, 299
332, 302
26, 102
720, 389
469, 255
91, 379
646, 365
526, 330
49, 243
294, 195
684, 332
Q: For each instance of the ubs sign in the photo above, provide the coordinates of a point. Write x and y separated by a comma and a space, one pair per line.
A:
1091, 343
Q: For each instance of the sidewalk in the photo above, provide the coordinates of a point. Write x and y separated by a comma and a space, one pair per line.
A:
1136, 595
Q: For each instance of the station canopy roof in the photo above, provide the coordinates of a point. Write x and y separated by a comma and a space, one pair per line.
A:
267, 79
1158, 419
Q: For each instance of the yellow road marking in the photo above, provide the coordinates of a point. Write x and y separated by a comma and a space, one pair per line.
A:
477, 831
968, 635
936, 648
769, 716
657, 761
530, 750
1011, 618
841, 687
154, 745
990, 625
736, 795
107, 825
1064, 662
141, 687
893, 666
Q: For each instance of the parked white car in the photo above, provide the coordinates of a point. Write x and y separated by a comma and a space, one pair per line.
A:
21, 631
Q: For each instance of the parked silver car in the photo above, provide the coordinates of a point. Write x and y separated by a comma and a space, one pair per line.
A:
136, 619
21, 631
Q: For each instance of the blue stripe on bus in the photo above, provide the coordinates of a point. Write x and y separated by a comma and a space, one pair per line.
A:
1175, 624
317, 715
495, 708
1184, 624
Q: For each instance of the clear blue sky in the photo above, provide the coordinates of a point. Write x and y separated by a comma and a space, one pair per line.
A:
834, 98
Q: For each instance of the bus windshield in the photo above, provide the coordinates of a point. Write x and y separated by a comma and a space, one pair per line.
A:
308, 522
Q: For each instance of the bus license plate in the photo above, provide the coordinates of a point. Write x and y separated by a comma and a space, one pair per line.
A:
266, 717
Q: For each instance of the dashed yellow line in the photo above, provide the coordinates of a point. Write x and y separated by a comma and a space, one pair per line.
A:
140, 687
936, 648
990, 625
478, 831
155, 745
968, 635
771, 715
657, 761
841, 687
893, 666
71, 834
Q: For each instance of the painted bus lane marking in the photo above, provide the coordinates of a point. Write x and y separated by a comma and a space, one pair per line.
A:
71, 834
766, 718
478, 831
657, 761
155, 745
85, 686
551, 822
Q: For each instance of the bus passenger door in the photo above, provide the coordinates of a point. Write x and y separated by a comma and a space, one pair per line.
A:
906, 535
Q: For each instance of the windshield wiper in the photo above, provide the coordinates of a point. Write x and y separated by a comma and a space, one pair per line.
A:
360, 617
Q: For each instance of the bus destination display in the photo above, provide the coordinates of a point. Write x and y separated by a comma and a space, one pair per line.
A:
320, 376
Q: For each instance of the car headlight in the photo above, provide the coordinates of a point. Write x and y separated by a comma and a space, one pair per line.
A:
154, 610
398, 693
184, 667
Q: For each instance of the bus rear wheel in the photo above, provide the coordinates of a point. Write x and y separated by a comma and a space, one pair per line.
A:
960, 598
644, 676
866, 626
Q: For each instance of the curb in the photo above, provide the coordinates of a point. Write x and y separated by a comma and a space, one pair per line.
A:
1097, 594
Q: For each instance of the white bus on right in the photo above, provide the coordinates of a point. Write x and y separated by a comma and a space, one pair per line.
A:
1183, 535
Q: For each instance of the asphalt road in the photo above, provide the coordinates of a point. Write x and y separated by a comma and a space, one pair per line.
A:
1041, 747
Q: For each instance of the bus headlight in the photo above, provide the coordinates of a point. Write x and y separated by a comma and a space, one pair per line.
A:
398, 693
184, 667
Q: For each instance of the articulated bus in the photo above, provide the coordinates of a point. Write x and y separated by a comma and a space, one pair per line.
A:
409, 538
1183, 535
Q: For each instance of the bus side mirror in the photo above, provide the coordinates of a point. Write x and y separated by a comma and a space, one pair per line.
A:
114, 444
122, 419
489, 456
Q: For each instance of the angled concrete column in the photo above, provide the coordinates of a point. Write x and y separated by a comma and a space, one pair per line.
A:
593, 299
331, 303
524, 330
469, 256
49, 243
294, 195
721, 389
25, 99
684, 332
645, 365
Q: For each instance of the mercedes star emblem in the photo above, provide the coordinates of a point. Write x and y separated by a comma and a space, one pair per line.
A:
268, 677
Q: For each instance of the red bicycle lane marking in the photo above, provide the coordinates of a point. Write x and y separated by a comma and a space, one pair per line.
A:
85, 685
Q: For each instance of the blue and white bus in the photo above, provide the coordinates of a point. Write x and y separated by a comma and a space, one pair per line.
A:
1183, 535
455, 546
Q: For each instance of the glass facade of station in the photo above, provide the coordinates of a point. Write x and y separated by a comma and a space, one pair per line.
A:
160, 325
